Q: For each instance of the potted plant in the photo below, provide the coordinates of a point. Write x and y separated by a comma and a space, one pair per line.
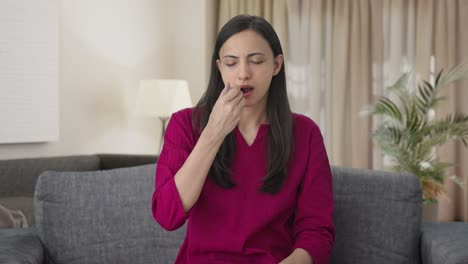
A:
409, 132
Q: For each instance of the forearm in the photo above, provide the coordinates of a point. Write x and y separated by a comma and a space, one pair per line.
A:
298, 256
191, 177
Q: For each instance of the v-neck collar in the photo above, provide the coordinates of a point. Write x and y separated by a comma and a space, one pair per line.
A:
261, 132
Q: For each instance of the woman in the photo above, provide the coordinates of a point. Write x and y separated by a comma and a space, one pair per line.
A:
252, 178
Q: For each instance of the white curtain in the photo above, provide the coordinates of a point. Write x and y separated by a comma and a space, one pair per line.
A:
343, 53
329, 73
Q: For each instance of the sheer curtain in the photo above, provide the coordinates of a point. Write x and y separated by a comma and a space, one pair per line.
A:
340, 55
329, 73
274, 11
425, 37
450, 47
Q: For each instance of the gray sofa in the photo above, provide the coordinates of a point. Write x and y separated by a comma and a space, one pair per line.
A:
97, 209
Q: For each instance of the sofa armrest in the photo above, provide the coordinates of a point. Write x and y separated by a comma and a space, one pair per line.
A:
20, 245
113, 161
444, 243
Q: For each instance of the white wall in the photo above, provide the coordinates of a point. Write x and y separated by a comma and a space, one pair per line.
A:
106, 47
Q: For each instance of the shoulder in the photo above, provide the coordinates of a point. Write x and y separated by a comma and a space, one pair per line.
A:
180, 122
308, 139
183, 117
304, 125
180, 126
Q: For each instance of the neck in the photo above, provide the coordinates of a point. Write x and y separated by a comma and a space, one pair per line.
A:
253, 117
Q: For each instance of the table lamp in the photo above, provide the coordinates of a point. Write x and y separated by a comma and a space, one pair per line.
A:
161, 98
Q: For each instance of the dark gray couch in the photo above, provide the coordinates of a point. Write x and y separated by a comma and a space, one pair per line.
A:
98, 212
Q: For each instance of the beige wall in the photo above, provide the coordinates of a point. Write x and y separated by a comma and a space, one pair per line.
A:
106, 47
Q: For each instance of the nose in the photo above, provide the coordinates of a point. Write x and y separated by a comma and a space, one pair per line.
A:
244, 71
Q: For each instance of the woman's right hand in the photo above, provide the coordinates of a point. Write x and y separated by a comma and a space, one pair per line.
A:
226, 112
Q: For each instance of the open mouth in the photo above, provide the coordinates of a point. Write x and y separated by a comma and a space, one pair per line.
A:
246, 89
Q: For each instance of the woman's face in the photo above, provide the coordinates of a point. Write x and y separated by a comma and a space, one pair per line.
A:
246, 60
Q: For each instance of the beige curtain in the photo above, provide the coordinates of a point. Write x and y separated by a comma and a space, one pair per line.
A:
343, 53
330, 72
450, 47
416, 35
340, 55
274, 11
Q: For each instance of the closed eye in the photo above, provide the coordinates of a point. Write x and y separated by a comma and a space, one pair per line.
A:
257, 62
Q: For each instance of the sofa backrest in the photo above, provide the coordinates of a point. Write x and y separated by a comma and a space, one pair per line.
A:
377, 217
105, 217
102, 217
18, 176
114, 161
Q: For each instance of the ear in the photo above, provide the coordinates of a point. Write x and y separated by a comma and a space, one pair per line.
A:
279, 60
218, 64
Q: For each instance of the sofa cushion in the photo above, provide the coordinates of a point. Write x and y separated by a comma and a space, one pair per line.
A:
377, 217
444, 243
20, 245
102, 217
22, 204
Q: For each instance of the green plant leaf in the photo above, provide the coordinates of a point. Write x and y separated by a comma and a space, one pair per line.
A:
408, 136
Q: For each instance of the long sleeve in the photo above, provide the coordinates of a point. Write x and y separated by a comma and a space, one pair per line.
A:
313, 225
167, 206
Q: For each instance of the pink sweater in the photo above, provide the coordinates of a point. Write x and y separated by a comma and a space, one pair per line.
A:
243, 225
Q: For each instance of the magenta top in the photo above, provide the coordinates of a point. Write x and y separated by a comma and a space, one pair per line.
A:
242, 224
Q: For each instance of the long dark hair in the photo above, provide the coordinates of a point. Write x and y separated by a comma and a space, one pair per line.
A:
280, 132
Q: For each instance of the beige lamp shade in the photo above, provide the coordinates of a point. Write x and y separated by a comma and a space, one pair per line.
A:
162, 97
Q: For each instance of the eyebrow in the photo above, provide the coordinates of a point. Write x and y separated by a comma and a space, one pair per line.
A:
249, 55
